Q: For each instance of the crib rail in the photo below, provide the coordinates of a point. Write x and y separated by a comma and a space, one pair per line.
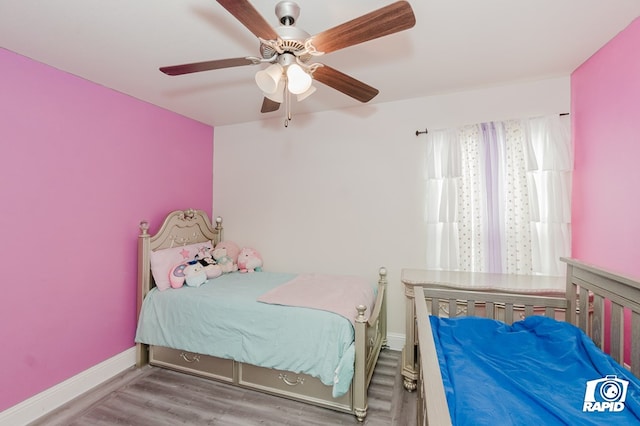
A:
507, 307
432, 402
614, 300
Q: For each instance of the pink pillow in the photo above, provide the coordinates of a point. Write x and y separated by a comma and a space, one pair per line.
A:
164, 260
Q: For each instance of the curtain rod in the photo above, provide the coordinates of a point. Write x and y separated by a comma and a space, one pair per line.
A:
425, 131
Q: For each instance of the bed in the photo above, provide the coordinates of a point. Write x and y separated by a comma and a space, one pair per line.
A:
219, 330
459, 364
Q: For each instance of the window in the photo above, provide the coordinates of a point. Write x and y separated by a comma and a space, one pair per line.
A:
498, 196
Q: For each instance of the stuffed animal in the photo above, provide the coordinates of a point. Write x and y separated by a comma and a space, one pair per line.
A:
232, 249
226, 256
176, 275
211, 267
224, 261
249, 260
194, 274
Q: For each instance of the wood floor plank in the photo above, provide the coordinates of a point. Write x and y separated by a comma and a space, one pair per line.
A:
152, 396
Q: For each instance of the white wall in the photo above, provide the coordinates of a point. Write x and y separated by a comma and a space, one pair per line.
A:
342, 191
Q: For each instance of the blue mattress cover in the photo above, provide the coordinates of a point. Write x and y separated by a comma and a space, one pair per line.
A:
222, 318
534, 372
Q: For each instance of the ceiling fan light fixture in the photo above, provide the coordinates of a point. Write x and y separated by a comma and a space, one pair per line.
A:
269, 78
299, 81
278, 94
306, 94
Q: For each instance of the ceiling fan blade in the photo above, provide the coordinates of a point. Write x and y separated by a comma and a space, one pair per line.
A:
345, 84
269, 106
388, 20
205, 66
244, 12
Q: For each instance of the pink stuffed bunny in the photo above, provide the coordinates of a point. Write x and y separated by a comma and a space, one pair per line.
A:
249, 260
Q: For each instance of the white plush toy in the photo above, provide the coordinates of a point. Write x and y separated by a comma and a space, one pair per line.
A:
194, 274
226, 255
224, 261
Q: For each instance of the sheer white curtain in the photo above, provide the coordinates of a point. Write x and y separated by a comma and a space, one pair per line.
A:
498, 196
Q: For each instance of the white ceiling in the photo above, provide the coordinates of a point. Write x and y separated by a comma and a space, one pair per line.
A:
456, 45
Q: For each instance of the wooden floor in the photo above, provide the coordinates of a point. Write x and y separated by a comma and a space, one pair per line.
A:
152, 396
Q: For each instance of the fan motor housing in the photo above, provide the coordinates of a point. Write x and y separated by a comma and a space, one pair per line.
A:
291, 38
287, 12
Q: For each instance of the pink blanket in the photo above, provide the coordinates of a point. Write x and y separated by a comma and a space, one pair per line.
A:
339, 294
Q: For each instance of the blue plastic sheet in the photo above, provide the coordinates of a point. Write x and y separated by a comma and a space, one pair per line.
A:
538, 371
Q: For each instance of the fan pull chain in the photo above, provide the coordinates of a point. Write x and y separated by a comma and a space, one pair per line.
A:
287, 104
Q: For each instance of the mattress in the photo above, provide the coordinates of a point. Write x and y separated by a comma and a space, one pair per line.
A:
223, 318
538, 371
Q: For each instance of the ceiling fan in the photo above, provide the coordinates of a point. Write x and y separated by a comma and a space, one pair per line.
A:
290, 50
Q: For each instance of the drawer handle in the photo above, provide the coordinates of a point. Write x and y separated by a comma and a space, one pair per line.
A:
284, 378
184, 356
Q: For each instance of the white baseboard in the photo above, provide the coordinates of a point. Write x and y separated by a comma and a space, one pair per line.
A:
52, 398
395, 341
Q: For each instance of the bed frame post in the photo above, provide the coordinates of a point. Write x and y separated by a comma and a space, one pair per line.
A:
367, 350
144, 280
360, 405
382, 286
219, 236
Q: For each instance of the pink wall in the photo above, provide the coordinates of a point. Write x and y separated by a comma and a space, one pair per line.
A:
606, 127
80, 166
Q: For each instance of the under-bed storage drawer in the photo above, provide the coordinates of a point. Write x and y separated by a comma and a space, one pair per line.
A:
201, 365
300, 386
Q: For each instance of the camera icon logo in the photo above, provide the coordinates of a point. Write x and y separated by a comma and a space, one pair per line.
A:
606, 394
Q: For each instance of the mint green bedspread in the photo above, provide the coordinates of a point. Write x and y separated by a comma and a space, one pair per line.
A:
222, 318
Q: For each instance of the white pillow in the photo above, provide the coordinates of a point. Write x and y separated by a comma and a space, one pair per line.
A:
164, 260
